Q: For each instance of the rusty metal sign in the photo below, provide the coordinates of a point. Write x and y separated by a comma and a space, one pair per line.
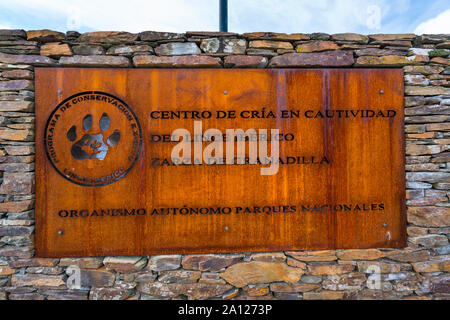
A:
159, 161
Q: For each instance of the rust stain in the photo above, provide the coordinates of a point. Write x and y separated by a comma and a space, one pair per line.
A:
364, 154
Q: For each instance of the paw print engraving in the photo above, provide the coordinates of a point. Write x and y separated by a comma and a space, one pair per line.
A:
92, 146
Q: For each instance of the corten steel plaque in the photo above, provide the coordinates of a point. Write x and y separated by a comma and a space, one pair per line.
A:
106, 183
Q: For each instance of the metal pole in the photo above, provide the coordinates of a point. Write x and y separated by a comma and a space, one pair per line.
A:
223, 13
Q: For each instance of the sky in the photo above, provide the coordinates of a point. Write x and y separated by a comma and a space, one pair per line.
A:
288, 16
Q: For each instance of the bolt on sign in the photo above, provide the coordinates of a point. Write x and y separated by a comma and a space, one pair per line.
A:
161, 161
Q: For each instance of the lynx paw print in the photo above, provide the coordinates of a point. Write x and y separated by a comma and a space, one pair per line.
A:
92, 146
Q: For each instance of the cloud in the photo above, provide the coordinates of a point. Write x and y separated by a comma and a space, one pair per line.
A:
129, 15
5, 25
438, 24
179, 16
304, 16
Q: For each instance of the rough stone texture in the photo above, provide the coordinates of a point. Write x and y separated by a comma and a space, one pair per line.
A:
324, 295
223, 45
379, 266
88, 49
66, 294
209, 262
56, 50
20, 105
125, 264
176, 61
45, 35
268, 257
435, 264
177, 49
163, 263
239, 61
388, 37
234, 46
159, 36
426, 91
16, 206
201, 34
245, 273
16, 85
96, 278
267, 44
34, 262
429, 216
108, 294
322, 59
350, 37
84, 263
317, 46
18, 74
129, 50
17, 183
329, 269
379, 52
276, 36
94, 61
348, 281
37, 280
323, 255
192, 291
441, 284
359, 254
408, 255
419, 271
108, 37
6, 271
179, 276
26, 59
291, 288
389, 61
12, 34
210, 45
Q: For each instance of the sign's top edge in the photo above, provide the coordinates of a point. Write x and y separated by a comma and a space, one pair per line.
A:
222, 69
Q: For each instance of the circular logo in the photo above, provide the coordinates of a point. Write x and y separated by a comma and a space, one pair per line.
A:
93, 138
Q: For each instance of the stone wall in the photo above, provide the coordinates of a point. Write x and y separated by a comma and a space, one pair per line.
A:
420, 271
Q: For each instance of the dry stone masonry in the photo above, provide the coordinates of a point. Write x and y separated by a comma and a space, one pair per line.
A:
420, 271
